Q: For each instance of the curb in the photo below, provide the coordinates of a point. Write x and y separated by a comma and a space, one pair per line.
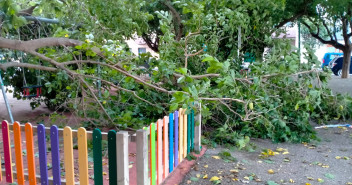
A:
182, 169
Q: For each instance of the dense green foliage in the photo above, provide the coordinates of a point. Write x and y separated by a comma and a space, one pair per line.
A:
277, 99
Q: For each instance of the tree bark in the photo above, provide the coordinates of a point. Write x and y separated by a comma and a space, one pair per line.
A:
346, 63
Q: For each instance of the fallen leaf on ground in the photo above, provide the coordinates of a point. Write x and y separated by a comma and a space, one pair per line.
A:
280, 149
337, 157
325, 166
310, 178
215, 178
292, 181
205, 166
234, 171
286, 153
195, 179
329, 175
271, 183
198, 175
349, 183
320, 180
215, 157
308, 184
247, 178
270, 171
205, 176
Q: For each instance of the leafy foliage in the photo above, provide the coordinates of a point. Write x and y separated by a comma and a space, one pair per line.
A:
277, 99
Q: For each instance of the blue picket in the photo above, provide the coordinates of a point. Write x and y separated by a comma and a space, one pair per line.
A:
176, 139
171, 142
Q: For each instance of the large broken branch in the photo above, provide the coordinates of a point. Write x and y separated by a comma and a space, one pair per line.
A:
33, 45
26, 65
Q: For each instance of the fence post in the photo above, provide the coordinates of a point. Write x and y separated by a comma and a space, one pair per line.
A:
142, 157
122, 158
198, 130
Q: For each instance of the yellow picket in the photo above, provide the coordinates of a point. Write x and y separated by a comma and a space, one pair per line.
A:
82, 156
68, 156
180, 137
184, 134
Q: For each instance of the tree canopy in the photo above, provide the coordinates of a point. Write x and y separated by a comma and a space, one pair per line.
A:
199, 61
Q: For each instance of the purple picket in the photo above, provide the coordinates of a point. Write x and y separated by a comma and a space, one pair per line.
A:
55, 154
42, 155
176, 138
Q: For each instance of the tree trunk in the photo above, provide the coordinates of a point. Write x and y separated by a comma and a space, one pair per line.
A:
346, 63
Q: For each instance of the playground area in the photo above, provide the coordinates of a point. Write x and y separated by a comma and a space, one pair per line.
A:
68, 156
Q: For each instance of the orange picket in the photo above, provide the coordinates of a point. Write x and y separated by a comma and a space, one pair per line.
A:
18, 152
30, 154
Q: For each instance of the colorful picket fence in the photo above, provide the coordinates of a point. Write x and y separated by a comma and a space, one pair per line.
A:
159, 149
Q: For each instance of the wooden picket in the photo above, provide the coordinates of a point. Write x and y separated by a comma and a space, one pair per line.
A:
112, 157
43, 162
30, 154
68, 156
170, 140
171, 143
176, 114
7, 151
166, 146
184, 134
180, 137
18, 152
55, 155
82, 156
98, 158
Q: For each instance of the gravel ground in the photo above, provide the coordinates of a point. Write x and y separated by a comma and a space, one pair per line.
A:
328, 161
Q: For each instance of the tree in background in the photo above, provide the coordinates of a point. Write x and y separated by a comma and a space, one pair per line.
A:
333, 17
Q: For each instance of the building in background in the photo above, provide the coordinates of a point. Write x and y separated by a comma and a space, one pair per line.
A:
138, 46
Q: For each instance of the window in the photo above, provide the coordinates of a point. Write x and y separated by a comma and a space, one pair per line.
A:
142, 50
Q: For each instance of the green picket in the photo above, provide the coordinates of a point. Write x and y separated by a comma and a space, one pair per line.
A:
193, 128
97, 157
112, 157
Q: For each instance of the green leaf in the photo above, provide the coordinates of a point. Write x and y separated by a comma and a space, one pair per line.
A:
297, 107
182, 71
194, 179
181, 79
269, 161
173, 106
271, 183
329, 176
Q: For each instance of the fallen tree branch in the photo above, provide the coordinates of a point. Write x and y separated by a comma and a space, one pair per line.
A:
223, 99
26, 65
95, 97
279, 74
